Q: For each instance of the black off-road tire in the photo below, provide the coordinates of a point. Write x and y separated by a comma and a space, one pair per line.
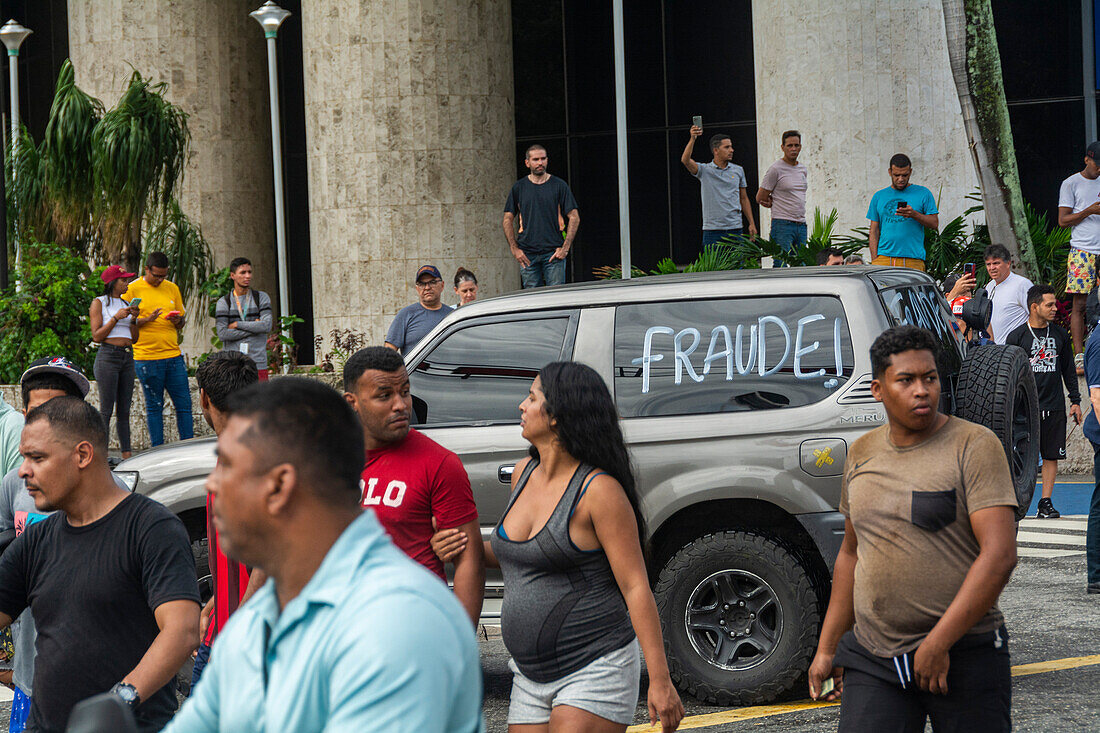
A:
997, 389
709, 560
200, 550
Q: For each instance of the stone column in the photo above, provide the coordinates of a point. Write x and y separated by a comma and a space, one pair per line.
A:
213, 58
410, 136
862, 80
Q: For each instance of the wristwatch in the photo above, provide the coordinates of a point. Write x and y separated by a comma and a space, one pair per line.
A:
127, 693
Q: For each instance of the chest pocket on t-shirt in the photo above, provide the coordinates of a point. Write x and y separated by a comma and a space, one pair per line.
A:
933, 510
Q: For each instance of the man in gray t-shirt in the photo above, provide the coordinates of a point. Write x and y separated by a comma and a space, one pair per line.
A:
722, 187
414, 322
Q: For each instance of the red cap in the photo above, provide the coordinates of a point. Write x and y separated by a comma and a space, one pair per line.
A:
958, 303
114, 272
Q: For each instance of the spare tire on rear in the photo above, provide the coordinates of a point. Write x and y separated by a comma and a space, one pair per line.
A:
997, 389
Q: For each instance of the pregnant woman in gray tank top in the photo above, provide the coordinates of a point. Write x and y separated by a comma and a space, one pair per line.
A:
577, 600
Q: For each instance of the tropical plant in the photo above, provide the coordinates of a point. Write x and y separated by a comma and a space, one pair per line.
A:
345, 342
282, 349
976, 67
48, 314
750, 250
1051, 249
139, 149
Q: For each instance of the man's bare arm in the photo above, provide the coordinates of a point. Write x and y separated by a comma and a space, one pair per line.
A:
685, 157
179, 636
1067, 218
256, 580
746, 209
470, 573
995, 529
839, 618
513, 245
872, 239
764, 197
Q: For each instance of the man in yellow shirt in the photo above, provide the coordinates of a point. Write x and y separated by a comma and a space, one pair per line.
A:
157, 358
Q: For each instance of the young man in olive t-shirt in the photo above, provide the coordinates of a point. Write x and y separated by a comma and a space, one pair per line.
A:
913, 630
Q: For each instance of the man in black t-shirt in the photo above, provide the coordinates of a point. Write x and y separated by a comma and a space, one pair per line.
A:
537, 208
109, 576
1048, 347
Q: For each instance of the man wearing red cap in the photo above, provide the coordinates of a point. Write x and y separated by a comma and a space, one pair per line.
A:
414, 322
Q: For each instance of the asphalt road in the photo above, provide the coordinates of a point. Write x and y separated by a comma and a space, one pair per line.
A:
1048, 615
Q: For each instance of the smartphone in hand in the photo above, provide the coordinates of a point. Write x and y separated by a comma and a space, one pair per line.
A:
697, 120
969, 268
135, 303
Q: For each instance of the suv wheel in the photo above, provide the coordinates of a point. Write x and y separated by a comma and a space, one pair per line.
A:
740, 618
997, 389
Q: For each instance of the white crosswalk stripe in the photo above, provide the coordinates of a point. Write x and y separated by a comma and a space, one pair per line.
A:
1063, 537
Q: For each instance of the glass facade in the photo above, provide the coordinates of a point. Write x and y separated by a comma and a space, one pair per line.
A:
680, 62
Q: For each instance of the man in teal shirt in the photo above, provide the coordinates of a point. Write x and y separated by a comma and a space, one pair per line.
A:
348, 634
899, 215
11, 427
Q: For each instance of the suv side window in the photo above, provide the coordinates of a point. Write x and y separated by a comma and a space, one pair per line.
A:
705, 356
482, 372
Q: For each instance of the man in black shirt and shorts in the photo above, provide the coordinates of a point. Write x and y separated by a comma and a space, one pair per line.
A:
1048, 347
537, 206
109, 577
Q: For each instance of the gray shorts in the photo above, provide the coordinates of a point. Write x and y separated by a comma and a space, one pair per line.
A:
607, 687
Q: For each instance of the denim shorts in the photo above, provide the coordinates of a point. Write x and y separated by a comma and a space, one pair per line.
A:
607, 687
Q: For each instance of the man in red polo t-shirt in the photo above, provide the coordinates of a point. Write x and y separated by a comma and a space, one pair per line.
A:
218, 377
409, 480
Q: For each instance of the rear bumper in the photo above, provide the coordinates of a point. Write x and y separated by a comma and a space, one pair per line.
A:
827, 531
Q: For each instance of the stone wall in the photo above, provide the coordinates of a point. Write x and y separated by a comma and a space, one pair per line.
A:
844, 75
410, 135
212, 56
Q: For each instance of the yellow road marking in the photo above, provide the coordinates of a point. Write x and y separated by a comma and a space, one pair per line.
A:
764, 711
1054, 665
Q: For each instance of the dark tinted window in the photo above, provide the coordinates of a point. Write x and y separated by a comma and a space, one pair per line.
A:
925, 306
481, 373
698, 357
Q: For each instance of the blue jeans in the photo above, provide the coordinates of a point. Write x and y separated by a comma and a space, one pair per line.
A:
1092, 530
156, 376
711, 237
787, 234
202, 658
542, 271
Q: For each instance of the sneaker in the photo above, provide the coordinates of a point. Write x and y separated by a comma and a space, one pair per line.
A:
1046, 510
1094, 588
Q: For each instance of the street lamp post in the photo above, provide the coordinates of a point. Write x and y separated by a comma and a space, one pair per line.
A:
270, 16
13, 34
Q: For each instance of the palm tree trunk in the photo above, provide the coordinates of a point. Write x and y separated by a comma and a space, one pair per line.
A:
976, 66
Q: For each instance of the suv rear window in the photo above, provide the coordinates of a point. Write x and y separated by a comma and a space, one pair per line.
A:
481, 373
706, 356
924, 305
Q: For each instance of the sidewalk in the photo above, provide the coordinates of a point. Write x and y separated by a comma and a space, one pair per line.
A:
1072, 495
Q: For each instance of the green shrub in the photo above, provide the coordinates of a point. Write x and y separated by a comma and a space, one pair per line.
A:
48, 315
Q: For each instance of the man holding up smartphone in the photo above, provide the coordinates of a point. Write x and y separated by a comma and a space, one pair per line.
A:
722, 187
157, 357
899, 215
913, 630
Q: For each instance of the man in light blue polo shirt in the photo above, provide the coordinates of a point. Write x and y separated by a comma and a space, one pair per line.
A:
1091, 429
899, 215
722, 187
348, 634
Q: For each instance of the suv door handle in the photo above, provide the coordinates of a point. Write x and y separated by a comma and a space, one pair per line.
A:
504, 473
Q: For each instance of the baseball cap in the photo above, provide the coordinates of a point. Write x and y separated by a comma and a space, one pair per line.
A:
58, 365
1093, 150
114, 272
957, 305
427, 270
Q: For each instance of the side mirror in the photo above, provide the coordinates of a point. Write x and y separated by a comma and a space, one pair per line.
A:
104, 713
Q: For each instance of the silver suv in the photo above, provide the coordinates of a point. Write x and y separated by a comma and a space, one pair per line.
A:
740, 393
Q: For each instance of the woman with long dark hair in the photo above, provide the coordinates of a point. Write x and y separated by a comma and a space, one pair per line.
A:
115, 329
577, 600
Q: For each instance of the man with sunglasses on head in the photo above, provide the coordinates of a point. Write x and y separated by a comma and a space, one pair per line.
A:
414, 322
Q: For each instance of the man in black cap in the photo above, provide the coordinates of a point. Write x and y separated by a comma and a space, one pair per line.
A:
414, 322
1079, 208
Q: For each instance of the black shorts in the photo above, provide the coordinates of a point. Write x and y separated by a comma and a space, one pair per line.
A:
882, 695
1052, 435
